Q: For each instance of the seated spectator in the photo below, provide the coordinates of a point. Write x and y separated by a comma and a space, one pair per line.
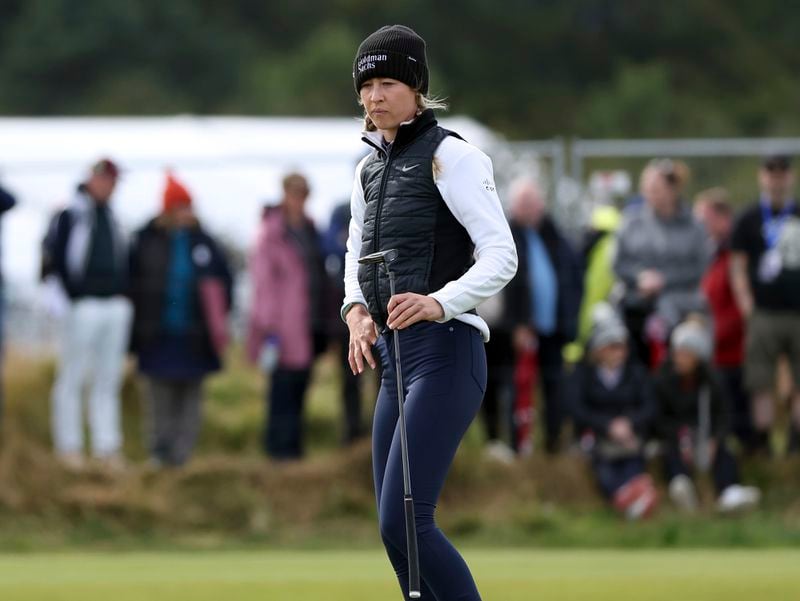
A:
662, 253
181, 291
613, 401
693, 422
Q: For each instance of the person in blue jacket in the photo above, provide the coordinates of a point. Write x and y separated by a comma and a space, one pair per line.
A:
543, 299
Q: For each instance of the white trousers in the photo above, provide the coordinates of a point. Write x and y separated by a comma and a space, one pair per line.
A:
94, 345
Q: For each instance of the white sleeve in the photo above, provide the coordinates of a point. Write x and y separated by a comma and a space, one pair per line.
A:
466, 183
352, 291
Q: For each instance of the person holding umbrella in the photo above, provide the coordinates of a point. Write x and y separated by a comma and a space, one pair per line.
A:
429, 197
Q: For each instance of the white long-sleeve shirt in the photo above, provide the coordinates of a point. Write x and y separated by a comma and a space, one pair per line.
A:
465, 179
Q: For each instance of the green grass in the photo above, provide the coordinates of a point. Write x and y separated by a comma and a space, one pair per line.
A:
512, 575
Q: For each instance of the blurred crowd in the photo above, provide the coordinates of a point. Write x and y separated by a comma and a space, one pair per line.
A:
654, 340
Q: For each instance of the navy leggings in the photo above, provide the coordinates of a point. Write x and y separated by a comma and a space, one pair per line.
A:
444, 372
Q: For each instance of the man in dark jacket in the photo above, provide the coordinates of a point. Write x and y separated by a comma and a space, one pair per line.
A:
89, 255
544, 297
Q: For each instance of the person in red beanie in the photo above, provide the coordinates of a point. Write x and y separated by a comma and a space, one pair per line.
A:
181, 290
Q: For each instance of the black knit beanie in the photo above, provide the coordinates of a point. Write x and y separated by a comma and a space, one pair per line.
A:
394, 51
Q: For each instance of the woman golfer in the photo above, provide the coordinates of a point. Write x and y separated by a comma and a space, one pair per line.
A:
431, 196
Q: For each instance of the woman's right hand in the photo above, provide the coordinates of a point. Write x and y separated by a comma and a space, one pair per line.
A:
363, 335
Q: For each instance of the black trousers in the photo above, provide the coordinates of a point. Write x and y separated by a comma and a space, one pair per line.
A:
351, 395
613, 474
498, 416
742, 416
283, 434
551, 370
724, 470
635, 320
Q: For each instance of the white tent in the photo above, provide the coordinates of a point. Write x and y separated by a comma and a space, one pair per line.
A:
231, 165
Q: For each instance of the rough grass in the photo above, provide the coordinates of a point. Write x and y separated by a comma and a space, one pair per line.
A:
509, 575
231, 496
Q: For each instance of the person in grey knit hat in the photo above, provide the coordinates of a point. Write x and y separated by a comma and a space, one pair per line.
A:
607, 328
693, 422
693, 336
613, 404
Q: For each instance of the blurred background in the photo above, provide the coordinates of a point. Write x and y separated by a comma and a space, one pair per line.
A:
577, 95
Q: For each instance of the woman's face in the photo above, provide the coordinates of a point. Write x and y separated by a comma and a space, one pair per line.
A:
612, 356
659, 193
388, 102
685, 362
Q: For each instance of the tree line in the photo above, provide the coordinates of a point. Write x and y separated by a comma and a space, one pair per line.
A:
536, 68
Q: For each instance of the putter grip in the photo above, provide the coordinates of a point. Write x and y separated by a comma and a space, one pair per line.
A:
411, 543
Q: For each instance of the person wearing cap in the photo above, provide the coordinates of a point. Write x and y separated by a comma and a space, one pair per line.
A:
693, 421
89, 256
661, 256
181, 290
765, 274
430, 195
287, 326
612, 402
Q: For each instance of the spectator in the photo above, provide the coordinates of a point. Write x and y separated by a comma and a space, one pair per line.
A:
335, 244
181, 291
544, 296
287, 313
7, 202
496, 409
598, 278
661, 258
765, 272
90, 258
612, 397
712, 208
693, 423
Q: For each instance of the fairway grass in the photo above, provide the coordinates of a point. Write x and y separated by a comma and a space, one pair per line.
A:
513, 575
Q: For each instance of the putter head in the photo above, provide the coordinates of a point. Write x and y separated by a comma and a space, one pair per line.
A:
383, 257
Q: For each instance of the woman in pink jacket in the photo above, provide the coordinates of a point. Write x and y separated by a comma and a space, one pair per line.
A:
286, 318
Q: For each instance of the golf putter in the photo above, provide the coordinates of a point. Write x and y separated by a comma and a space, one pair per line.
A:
384, 258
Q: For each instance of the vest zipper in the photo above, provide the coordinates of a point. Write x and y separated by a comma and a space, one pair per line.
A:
376, 239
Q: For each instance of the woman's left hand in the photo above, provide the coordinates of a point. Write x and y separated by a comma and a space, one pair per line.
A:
409, 308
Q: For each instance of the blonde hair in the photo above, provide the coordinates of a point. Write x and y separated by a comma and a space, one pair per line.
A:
676, 173
423, 104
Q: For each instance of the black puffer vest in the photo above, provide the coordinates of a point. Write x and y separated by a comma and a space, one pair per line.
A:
405, 211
